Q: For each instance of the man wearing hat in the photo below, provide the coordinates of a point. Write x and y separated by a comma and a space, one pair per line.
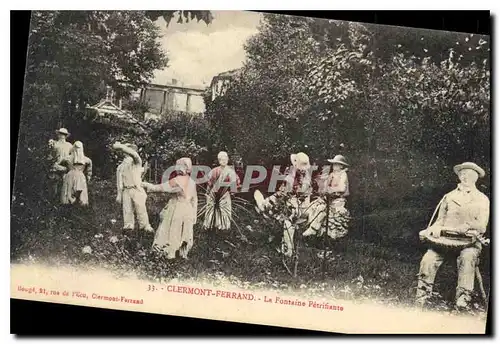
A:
464, 210
59, 150
130, 192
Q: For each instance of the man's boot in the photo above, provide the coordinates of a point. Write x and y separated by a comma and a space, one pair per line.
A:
424, 293
463, 300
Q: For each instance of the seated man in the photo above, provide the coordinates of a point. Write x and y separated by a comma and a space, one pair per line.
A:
464, 210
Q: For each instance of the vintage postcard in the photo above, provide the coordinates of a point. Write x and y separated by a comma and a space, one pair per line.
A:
256, 168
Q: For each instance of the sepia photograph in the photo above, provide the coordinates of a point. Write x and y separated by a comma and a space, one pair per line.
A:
257, 168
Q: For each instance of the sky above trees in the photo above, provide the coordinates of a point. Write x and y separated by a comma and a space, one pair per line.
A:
198, 51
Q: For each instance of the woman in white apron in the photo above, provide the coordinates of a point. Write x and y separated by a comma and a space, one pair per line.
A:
74, 186
175, 232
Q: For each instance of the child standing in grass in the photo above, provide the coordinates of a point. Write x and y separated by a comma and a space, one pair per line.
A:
59, 150
222, 181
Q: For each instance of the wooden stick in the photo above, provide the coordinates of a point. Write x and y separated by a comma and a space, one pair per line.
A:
481, 285
156, 171
325, 236
296, 257
149, 174
285, 265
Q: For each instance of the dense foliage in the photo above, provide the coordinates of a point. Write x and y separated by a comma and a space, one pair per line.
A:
403, 105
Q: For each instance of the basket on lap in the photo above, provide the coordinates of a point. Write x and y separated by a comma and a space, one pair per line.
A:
449, 238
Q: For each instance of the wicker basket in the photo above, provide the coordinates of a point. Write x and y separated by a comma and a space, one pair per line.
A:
448, 239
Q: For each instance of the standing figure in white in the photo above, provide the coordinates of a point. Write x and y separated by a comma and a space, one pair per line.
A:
130, 192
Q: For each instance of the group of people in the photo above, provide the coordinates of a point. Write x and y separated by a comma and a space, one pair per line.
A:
292, 205
70, 170
464, 210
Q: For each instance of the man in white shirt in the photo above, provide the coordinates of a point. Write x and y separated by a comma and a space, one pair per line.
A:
463, 210
129, 190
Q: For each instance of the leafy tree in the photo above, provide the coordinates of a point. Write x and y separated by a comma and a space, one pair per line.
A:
273, 94
403, 105
178, 135
183, 16
73, 56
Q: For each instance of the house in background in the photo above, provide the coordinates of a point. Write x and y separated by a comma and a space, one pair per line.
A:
110, 105
164, 99
220, 83
161, 100
110, 112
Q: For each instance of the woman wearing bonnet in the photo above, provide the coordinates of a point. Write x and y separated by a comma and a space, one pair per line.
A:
290, 203
334, 185
175, 232
74, 186
222, 180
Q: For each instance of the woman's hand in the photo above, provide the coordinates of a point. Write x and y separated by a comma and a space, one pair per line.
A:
59, 168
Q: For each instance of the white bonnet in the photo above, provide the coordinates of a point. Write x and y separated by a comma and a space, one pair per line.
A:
222, 155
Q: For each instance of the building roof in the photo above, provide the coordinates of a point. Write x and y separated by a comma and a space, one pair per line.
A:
229, 73
226, 75
107, 111
105, 106
177, 87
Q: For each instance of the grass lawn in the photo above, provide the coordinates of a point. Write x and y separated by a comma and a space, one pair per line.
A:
357, 268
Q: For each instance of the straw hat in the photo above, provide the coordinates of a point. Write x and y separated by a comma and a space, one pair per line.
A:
293, 159
470, 166
63, 131
338, 159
